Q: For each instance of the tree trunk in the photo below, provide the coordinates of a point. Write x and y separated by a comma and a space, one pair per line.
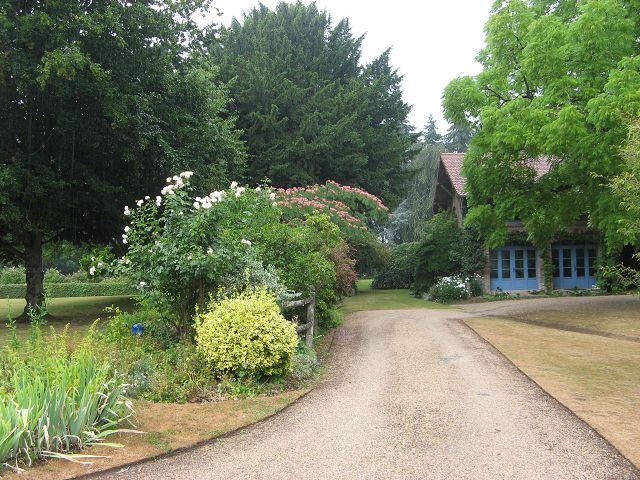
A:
35, 273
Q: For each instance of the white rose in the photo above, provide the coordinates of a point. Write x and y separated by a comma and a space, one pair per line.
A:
234, 184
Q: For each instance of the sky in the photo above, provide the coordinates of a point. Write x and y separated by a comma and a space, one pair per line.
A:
432, 41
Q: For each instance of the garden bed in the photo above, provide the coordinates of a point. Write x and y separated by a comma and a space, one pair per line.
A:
167, 427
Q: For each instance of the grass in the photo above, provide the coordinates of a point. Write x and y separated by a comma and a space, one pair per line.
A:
370, 299
597, 378
168, 427
79, 312
614, 314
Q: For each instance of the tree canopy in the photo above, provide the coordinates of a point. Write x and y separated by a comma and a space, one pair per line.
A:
309, 110
100, 99
558, 82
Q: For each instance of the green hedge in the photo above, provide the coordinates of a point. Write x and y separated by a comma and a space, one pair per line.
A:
55, 290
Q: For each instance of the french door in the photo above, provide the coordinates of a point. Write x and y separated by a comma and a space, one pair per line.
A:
514, 268
574, 266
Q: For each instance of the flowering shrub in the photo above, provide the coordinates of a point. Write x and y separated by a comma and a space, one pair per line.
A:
181, 247
450, 289
351, 208
246, 335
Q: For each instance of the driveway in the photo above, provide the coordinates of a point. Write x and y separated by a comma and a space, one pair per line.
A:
411, 394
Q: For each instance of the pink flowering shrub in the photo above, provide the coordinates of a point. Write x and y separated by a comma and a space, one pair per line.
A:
354, 210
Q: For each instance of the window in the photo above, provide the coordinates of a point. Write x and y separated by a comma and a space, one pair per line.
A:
532, 271
580, 262
566, 263
506, 264
519, 263
493, 261
593, 255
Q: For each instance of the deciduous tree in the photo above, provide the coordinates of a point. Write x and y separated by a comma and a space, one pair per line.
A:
99, 100
558, 79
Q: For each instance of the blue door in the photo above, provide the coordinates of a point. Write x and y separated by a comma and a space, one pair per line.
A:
574, 266
514, 268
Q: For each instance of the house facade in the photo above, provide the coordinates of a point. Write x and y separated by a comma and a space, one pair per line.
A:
518, 267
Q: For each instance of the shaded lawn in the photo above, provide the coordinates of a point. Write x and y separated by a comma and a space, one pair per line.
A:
79, 312
597, 378
166, 427
370, 299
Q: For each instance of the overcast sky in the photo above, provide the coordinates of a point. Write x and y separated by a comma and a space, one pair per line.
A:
432, 41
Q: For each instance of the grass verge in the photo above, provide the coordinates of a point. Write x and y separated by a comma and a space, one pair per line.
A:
370, 299
167, 427
597, 378
80, 312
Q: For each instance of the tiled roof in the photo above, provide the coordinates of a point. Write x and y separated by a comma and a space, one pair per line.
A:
453, 165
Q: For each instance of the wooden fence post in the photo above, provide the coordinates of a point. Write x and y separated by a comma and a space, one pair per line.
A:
311, 320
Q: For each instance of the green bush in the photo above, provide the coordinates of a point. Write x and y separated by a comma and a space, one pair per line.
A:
304, 364
246, 334
53, 275
445, 249
58, 290
399, 272
12, 275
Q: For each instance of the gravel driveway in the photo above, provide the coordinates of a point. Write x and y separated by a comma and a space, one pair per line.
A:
409, 395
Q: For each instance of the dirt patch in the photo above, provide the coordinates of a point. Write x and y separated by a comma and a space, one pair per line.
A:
167, 427
598, 378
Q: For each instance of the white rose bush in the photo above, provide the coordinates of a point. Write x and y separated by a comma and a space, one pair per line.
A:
179, 247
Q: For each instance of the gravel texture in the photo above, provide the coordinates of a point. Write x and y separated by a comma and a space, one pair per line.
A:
408, 395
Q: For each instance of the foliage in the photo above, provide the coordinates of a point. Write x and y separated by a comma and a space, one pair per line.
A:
627, 184
345, 268
618, 277
526, 109
246, 334
371, 256
351, 208
304, 364
72, 289
408, 219
64, 256
450, 289
400, 271
99, 98
9, 275
53, 402
309, 110
180, 248
430, 135
445, 249
302, 251
457, 138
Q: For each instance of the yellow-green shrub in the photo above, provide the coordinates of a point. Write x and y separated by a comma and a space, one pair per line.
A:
246, 334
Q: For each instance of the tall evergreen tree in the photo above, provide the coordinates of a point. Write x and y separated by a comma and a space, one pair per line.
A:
457, 138
309, 110
100, 101
430, 135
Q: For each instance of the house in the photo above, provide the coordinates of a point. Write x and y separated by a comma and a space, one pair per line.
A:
519, 266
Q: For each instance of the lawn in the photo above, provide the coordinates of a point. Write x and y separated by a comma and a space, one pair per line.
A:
598, 378
79, 312
370, 299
